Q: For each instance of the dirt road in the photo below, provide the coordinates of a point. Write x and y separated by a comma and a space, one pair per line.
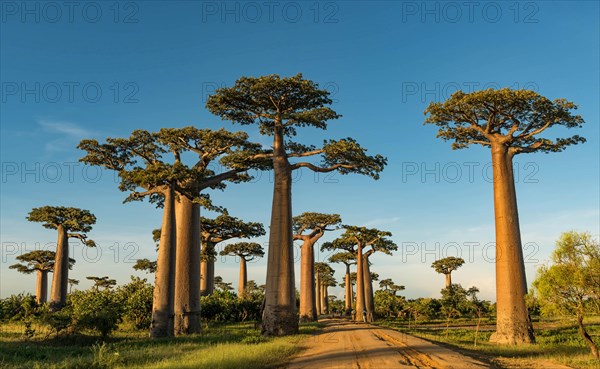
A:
360, 346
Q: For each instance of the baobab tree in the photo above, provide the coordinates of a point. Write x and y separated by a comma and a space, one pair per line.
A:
446, 266
322, 271
222, 285
69, 223
102, 282
42, 262
389, 286
327, 280
146, 265
279, 106
348, 259
72, 282
246, 251
213, 231
509, 122
177, 188
362, 242
309, 228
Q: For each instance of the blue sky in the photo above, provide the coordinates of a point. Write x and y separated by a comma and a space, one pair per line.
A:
99, 70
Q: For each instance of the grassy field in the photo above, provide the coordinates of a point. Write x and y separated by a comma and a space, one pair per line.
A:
557, 341
219, 346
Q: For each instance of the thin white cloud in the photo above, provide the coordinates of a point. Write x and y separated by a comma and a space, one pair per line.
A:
69, 129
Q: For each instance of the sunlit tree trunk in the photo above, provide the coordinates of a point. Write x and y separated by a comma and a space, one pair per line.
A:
203, 277
586, 337
324, 297
187, 272
319, 306
348, 285
513, 325
41, 288
308, 303
368, 287
243, 282
164, 283
448, 280
360, 289
207, 272
60, 277
279, 314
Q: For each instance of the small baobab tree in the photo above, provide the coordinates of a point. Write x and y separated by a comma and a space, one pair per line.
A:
213, 231
246, 251
388, 285
102, 282
348, 259
327, 280
177, 187
509, 122
42, 262
309, 228
69, 223
322, 273
146, 265
222, 285
446, 266
363, 242
279, 106
72, 282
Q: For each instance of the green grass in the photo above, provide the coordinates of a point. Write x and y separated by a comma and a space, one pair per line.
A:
224, 346
557, 341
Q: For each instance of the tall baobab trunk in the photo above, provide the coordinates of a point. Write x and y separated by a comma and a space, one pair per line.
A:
204, 276
360, 289
324, 297
163, 298
448, 280
187, 271
318, 301
368, 287
207, 273
243, 282
41, 289
279, 315
60, 277
513, 325
348, 285
308, 302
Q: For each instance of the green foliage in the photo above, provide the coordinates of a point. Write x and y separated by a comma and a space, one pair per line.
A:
42, 260
571, 285
102, 282
145, 265
95, 310
16, 307
387, 304
135, 298
265, 99
513, 118
245, 250
447, 265
281, 105
72, 219
58, 321
224, 306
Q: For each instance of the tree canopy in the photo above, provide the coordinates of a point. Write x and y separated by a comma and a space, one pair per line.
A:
42, 260
285, 104
245, 250
509, 117
71, 219
447, 265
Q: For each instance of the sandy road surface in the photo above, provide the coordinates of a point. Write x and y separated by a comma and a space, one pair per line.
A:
360, 346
